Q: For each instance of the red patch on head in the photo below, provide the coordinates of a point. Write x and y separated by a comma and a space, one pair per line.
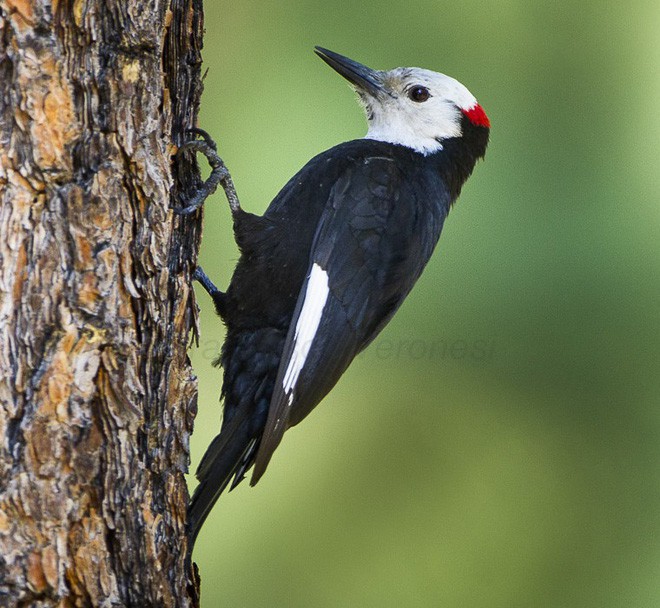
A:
477, 116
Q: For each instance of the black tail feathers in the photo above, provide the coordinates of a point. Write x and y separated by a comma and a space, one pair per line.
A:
250, 360
230, 455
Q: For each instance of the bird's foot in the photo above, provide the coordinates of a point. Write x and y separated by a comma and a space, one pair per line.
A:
203, 279
218, 296
219, 175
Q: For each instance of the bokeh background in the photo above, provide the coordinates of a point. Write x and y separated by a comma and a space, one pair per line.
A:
499, 444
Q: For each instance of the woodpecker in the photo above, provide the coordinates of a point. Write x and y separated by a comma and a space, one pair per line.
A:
332, 259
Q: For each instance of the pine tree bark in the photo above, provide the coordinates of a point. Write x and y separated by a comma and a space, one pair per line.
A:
97, 396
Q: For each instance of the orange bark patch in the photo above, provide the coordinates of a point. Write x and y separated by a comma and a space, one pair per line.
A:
22, 13
49, 106
35, 573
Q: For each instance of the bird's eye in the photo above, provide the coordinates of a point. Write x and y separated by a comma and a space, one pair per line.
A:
419, 93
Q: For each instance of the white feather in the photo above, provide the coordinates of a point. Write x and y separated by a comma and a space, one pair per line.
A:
397, 119
316, 296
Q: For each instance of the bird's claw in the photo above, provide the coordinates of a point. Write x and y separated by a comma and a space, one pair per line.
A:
205, 136
219, 174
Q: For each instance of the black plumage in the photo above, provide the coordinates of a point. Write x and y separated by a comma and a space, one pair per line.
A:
366, 215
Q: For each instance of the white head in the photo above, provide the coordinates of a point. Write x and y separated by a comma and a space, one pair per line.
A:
412, 107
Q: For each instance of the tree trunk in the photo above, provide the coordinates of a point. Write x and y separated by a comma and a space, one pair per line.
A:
97, 396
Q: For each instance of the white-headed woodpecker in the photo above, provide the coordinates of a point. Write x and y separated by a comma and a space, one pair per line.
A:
332, 259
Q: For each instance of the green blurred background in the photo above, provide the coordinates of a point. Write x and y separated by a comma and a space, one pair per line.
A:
499, 444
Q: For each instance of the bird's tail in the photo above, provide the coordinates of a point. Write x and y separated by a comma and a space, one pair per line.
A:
250, 360
230, 454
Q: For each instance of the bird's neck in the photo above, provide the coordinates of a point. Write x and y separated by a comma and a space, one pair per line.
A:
458, 156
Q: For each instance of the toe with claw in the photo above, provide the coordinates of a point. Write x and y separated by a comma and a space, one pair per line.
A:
218, 296
219, 175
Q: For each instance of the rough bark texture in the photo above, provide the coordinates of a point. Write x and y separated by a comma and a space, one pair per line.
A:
96, 392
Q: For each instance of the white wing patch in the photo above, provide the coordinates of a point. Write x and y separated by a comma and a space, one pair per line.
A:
316, 296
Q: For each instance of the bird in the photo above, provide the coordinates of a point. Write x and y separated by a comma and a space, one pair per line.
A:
337, 251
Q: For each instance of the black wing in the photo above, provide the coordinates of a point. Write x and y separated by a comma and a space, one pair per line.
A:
374, 239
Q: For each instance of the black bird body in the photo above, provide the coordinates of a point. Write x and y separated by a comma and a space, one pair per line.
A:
320, 274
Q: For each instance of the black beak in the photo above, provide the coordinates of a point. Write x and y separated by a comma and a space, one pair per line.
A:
360, 76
